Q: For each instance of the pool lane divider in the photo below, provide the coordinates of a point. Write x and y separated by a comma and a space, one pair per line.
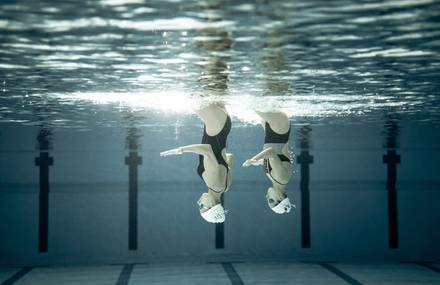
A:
219, 235
428, 266
391, 159
344, 276
232, 273
305, 159
220, 230
43, 162
124, 276
133, 161
17, 276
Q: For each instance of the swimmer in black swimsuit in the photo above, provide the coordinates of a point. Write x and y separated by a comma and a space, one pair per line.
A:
276, 159
214, 162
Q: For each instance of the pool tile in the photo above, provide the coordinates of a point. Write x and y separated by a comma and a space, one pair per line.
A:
179, 274
84, 275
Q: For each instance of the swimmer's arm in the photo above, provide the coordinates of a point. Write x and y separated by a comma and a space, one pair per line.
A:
202, 149
266, 153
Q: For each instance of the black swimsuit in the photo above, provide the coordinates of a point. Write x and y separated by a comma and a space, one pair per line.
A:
273, 137
218, 143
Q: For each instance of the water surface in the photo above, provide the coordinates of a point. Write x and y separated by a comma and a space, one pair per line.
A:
319, 61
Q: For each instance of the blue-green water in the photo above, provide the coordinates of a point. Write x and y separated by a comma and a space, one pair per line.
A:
85, 85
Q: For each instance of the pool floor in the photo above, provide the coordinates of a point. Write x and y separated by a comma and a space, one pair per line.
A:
228, 273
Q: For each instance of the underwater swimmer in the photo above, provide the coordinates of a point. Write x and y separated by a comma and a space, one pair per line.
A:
276, 159
214, 162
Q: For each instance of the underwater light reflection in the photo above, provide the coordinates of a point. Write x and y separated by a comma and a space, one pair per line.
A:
240, 107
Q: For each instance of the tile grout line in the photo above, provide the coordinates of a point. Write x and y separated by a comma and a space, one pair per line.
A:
232, 274
428, 266
17, 275
125, 275
347, 278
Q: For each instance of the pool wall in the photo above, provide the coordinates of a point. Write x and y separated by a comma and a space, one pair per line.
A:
88, 210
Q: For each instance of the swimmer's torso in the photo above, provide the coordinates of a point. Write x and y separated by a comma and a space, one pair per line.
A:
278, 169
215, 171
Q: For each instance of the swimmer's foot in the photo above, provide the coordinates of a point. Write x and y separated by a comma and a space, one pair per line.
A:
252, 162
174, 151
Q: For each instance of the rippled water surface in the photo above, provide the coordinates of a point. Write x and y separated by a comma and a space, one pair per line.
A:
64, 62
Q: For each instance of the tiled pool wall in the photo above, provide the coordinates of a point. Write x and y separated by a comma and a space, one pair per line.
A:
89, 220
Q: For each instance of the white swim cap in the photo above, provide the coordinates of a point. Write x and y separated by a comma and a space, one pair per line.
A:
215, 214
284, 206
210, 210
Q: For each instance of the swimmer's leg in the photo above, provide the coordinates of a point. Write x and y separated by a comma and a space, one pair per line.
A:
201, 149
214, 116
278, 121
229, 159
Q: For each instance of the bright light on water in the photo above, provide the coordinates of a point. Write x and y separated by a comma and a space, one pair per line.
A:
240, 107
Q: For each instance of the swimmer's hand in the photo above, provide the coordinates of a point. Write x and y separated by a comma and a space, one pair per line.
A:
259, 158
253, 162
174, 151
